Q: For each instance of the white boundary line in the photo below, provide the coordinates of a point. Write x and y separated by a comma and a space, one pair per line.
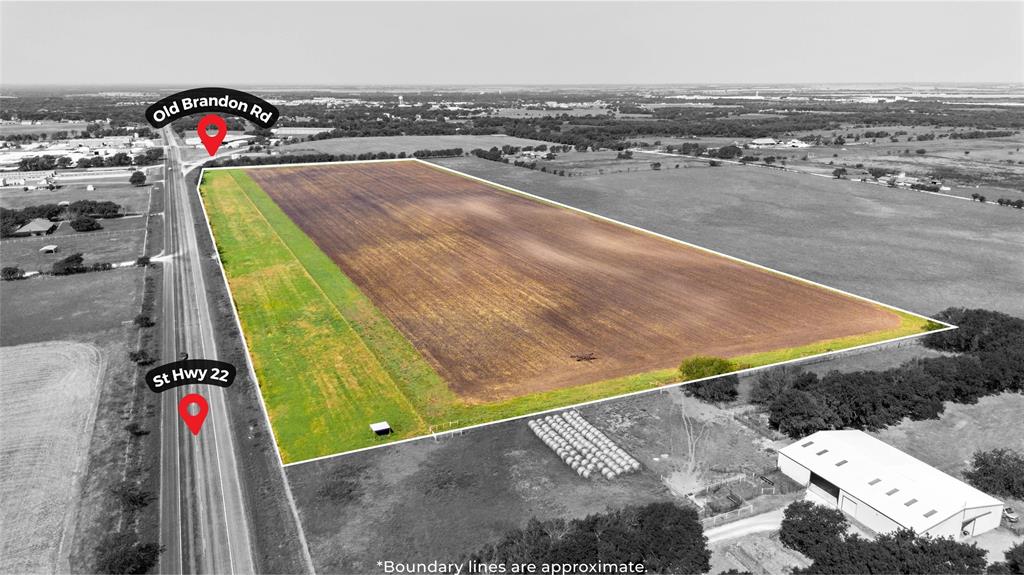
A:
664, 387
252, 374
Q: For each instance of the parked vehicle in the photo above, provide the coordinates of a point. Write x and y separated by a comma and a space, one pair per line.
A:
1010, 515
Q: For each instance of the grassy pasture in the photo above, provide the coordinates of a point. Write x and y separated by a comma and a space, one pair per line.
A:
329, 362
134, 199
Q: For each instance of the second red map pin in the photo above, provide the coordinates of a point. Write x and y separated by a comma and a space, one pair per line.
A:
212, 143
193, 421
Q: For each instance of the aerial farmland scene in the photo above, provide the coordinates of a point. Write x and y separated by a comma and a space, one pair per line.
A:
463, 270
491, 287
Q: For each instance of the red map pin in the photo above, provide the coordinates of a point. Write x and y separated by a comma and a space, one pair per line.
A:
194, 422
212, 142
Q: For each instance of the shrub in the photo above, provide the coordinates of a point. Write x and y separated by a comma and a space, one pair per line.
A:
701, 366
1015, 558
85, 224
124, 553
131, 496
718, 390
11, 273
101, 267
143, 320
135, 429
69, 265
141, 357
142, 261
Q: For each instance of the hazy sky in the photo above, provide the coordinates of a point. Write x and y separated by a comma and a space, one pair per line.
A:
289, 43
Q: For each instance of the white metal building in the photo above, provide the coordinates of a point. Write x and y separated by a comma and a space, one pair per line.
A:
884, 488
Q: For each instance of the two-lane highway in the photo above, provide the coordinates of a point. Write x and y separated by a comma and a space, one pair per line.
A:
204, 526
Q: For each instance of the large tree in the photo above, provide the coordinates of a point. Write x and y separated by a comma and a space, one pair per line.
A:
809, 528
137, 178
999, 472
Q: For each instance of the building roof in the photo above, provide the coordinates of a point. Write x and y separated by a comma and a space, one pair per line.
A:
36, 225
764, 141
905, 489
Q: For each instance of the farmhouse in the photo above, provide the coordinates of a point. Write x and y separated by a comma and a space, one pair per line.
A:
36, 227
884, 488
763, 143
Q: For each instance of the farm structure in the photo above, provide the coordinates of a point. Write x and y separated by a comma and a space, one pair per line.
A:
885, 488
423, 296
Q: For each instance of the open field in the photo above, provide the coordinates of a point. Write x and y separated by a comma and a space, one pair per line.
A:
425, 500
133, 198
356, 367
407, 144
95, 309
50, 392
917, 251
51, 307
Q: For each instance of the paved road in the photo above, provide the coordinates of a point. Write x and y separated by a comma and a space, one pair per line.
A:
204, 526
770, 521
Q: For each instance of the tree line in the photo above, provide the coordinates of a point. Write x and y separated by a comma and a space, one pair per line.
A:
663, 537
988, 359
820, 533
12, 219
325, 157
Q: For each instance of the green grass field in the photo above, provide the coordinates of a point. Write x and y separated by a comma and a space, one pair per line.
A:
329, 363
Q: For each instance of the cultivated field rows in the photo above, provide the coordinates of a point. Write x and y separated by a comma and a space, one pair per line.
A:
49, 402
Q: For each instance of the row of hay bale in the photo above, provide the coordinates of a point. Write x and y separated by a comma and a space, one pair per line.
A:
582, 447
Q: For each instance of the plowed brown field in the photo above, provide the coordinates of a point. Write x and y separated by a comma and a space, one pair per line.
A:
498, 291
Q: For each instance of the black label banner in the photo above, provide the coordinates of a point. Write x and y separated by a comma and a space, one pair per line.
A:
212, 100
190, 372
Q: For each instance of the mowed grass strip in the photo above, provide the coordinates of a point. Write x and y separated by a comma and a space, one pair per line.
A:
321, 383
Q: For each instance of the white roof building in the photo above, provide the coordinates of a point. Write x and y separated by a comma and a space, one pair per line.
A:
884, 488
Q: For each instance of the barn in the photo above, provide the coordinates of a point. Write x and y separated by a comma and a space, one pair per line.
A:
884, 488
36, 227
